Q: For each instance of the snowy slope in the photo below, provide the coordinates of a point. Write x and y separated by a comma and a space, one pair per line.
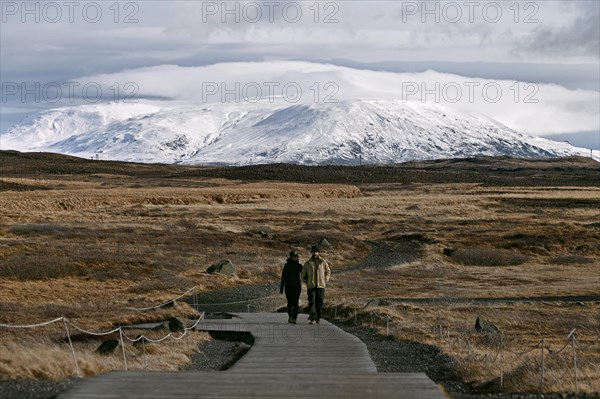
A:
377, 131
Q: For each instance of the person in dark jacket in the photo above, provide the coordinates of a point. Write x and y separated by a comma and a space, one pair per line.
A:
290, 281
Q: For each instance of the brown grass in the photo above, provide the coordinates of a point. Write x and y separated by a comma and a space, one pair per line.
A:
87, 247
43, 357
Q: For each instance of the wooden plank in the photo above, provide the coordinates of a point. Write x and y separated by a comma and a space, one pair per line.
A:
134, 385
286, 361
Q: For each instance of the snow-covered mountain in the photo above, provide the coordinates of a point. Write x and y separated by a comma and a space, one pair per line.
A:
375, 131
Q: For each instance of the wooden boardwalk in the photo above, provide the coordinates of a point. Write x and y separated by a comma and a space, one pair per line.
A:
286, 361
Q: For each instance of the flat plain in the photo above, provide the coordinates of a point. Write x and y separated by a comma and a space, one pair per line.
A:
418, 250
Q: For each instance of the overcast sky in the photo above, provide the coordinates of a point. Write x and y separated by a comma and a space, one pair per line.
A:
549, 42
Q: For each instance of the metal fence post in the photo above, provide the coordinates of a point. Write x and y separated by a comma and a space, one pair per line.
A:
501, 362
543, 347
387, 325
572, 336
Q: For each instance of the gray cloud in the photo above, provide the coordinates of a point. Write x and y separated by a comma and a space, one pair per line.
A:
369, 35
581, 37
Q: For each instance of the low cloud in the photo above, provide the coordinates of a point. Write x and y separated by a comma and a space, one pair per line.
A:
525, 107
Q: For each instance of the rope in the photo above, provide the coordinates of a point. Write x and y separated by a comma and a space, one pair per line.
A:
170, 335
33, 325
91, 332
550, 351
164, 303
585, 347
520, 354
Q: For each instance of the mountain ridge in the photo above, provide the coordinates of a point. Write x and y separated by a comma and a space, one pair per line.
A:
344, 132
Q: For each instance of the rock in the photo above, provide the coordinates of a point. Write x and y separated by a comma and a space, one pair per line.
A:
449, 251
107, 347
140, 341
486, 327
170, 304
175, 325
262, 233
326, 244
224, 267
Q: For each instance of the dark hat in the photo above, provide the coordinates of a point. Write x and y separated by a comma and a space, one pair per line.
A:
293, 253
315, 248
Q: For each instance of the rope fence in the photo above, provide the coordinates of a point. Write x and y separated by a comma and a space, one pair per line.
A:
565, 356
68, 325
120, 330
170, 302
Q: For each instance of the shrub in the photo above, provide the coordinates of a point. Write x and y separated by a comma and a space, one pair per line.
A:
46, 228
570, 260
481, 256
22, 266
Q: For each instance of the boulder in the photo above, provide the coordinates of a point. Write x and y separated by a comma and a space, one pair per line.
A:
107, 347
170, 304
449, 251
486, 327
175, 325
326, 244
224, 267
140, 341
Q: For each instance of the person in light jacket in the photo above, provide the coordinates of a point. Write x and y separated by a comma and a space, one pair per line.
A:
290, 281
315, 273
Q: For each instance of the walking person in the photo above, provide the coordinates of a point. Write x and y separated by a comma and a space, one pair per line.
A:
290, 281
315, 273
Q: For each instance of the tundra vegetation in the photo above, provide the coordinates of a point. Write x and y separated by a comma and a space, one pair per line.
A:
90, 239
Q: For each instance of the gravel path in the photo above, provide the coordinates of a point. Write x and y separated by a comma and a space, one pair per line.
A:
33, 389
392, 356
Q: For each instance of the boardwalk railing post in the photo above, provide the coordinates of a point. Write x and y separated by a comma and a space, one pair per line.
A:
248, 309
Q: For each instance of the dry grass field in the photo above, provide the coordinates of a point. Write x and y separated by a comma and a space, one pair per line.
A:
89, 239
